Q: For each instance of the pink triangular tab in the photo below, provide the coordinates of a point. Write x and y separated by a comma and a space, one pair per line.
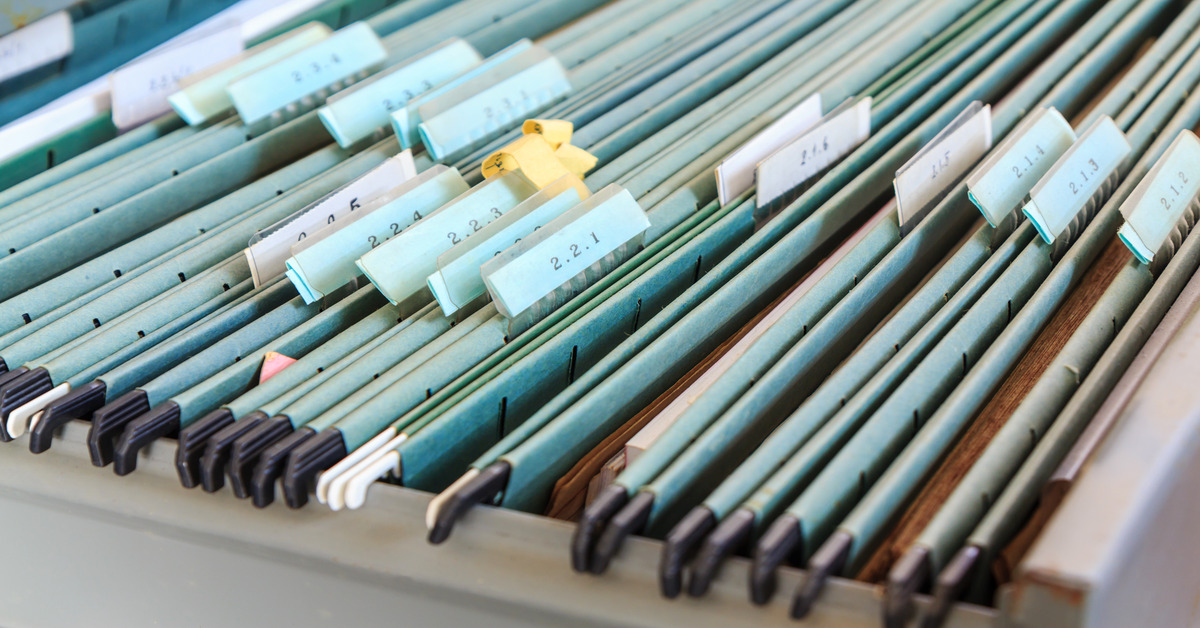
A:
273, 363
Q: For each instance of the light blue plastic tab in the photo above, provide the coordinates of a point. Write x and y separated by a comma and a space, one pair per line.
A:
1075, 177
346, 56
466, 117
1154, 208
999, 185
302, 286
357, 112
533, 268
405, 120
328, 264
457, 280
401, 265
205, 96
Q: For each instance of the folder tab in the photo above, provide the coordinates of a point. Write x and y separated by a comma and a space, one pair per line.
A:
357, 112
458, 280
270, 248
401, 265
735, 173
489, 104
204, 94
332, 63
330, 263
533, 268
1153, 211
999, 185
942, 161
831, 139
1075, 177
46, 40
406, 120
140, 89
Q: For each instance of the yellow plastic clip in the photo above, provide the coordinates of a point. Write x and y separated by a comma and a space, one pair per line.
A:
557, 132
575, 159
543, 155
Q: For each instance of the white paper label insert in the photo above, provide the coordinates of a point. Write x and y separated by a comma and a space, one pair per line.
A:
140, 89
829, 141
735, 174
48, 39
943, 160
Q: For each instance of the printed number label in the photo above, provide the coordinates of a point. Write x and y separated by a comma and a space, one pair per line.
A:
817, 150
1030, 161
490, 112
940, 165
169, 82
575, 252
1085, 175
392, 105
315, 68
1168, 204
395, 227
474, 225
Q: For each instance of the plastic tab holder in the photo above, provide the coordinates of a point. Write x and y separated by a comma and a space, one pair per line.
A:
204, 94
1001, 182
1075, 177
458, 281
535, 267
330, 263
344, 58
466, 117
735, 173
29, 48
406, 119
1153, 211
942, 161
825, 144
400, 266
356, 113
140, 89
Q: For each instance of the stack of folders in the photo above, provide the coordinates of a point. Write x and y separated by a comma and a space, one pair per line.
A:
708, 271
